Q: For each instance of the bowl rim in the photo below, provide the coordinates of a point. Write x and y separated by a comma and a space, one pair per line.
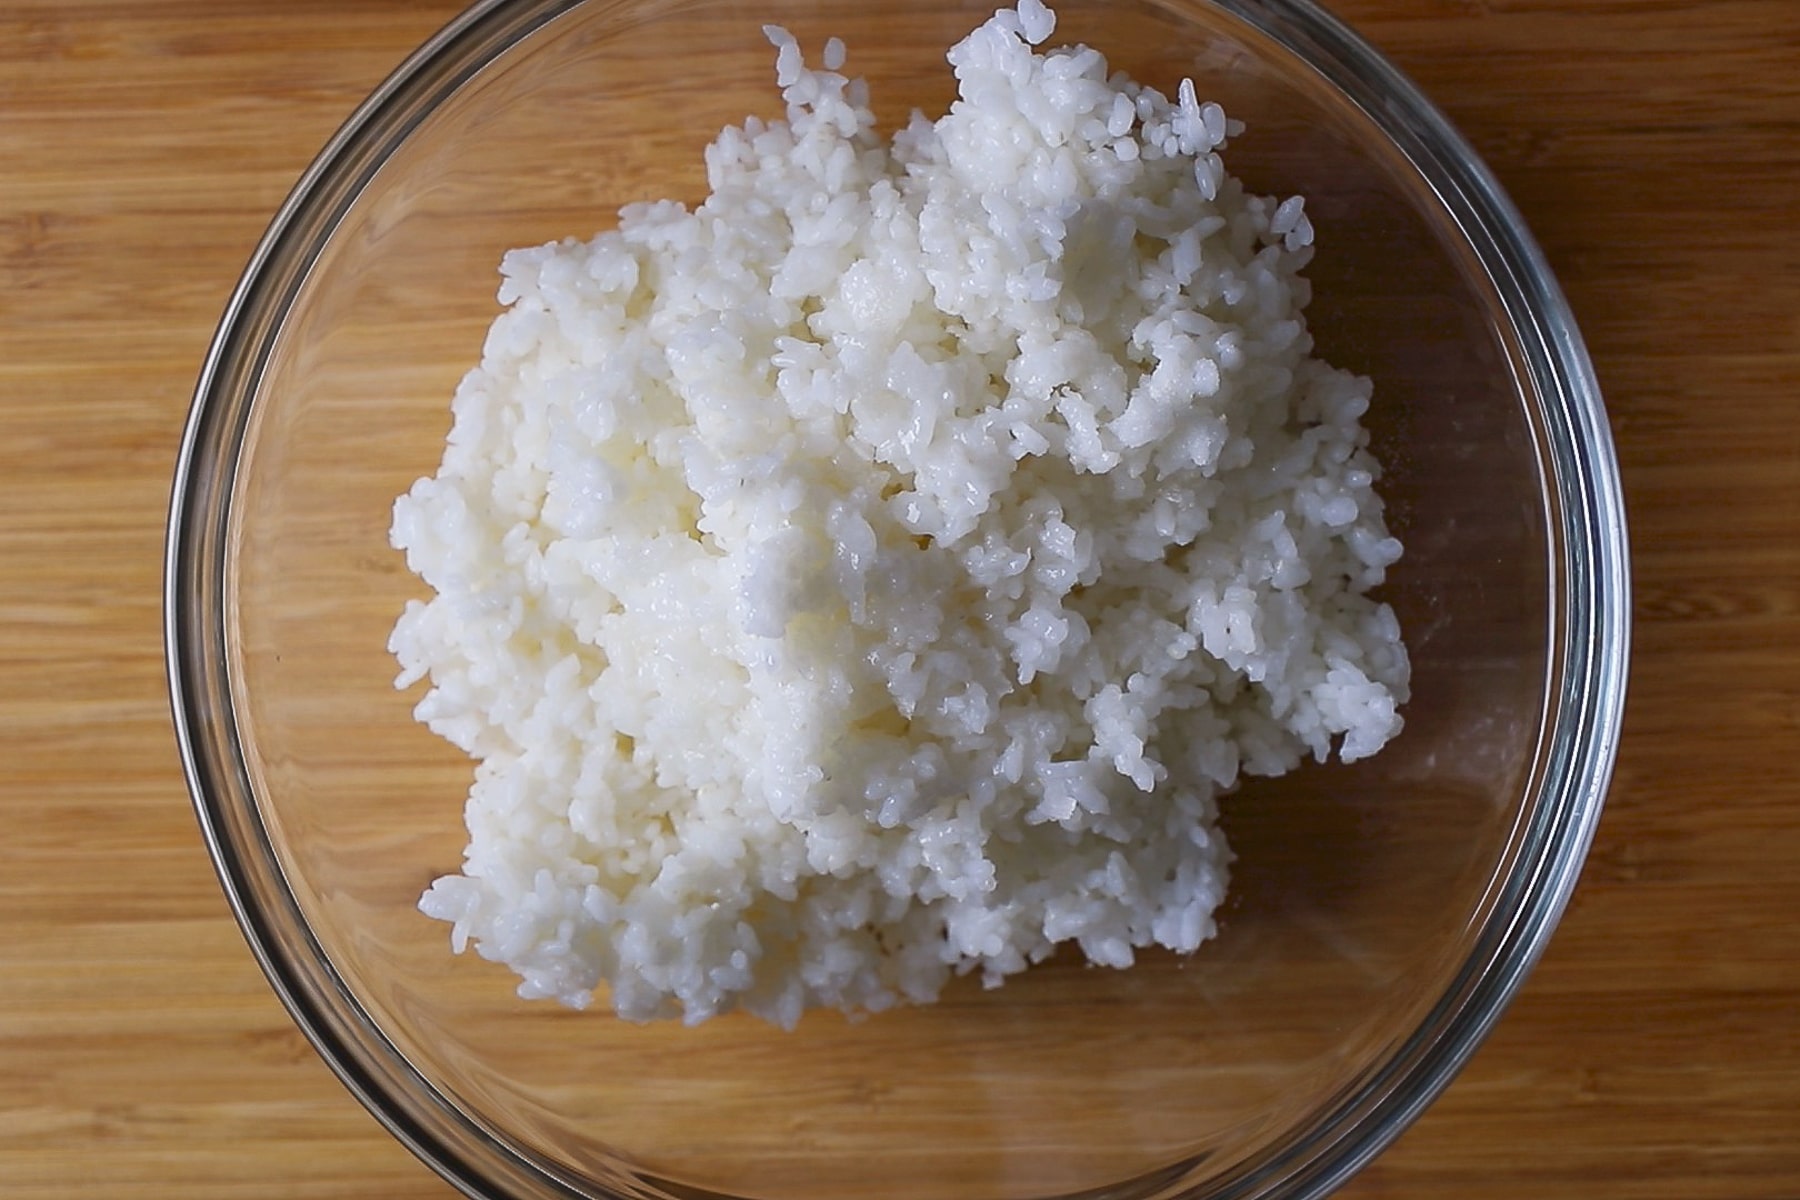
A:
1585, 520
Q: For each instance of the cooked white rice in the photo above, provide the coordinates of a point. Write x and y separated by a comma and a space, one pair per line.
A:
877, 573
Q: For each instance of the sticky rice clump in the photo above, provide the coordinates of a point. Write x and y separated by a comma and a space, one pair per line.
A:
877, 573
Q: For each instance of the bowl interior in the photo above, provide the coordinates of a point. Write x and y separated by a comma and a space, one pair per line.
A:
1358, 891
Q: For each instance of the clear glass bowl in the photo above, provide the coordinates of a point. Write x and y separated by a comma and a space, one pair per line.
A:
1382, 915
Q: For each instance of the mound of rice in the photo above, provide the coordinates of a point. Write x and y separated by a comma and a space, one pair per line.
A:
877, 573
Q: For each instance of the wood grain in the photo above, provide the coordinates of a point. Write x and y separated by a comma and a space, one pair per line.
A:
1650, 144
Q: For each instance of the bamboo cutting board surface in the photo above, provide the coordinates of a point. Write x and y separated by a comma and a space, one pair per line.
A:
1652, 147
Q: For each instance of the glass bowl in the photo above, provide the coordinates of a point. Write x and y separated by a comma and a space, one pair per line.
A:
1382, 914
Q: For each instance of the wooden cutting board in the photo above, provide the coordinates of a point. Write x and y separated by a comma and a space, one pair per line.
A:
1652, 145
